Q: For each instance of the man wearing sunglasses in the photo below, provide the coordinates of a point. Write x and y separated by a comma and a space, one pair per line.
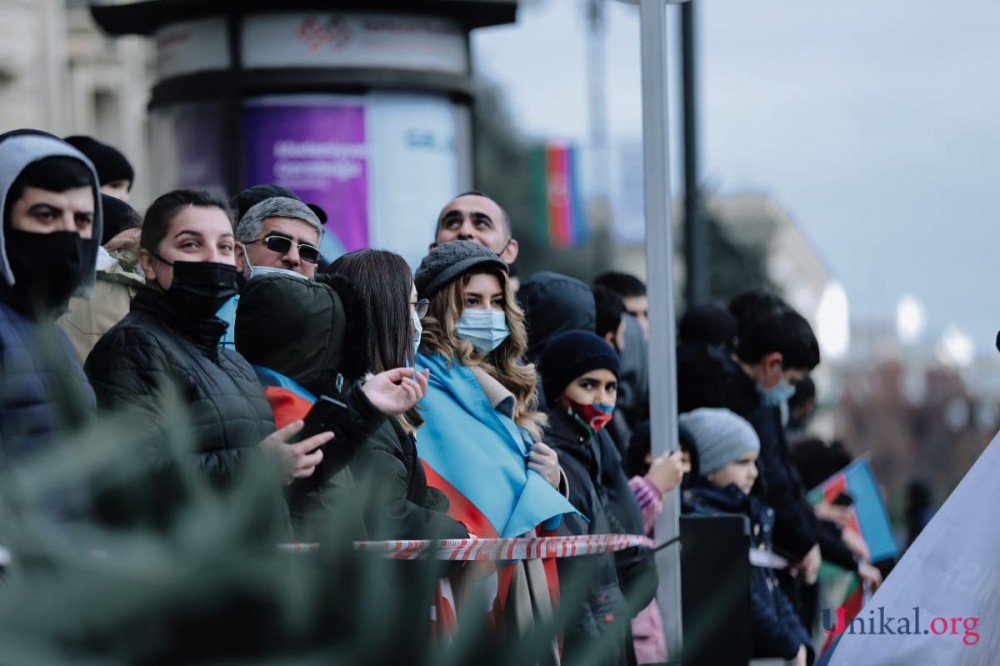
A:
281, 233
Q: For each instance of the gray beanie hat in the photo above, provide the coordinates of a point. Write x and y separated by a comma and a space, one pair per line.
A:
720, 436
449, 261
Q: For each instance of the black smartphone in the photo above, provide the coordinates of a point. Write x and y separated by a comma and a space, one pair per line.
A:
843, 499
324, 416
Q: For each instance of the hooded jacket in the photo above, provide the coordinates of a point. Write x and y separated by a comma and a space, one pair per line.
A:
313, 333
554, 303
43, 391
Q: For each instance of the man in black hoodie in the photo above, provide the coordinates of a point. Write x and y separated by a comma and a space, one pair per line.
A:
51, 227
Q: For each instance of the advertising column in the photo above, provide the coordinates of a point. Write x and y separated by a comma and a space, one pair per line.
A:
315, 146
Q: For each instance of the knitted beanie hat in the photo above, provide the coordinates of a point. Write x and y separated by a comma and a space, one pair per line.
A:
570, 355
448, 261
110, 164
720, 436
118, 216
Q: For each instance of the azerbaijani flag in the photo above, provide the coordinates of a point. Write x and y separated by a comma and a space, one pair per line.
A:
476, 456
869, 518
289, 401
558, 207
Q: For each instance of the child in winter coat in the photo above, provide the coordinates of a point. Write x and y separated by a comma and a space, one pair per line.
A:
580, 380
727, 454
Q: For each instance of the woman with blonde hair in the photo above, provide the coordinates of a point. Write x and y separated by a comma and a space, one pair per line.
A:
481, 442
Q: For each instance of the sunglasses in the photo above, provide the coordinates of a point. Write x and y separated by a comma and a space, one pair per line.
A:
282, 244
420, 307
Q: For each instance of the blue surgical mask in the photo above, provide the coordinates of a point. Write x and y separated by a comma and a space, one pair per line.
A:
418, 330
778, 394
485, 329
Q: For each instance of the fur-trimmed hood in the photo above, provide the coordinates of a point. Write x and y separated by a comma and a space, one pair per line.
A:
308, 330
20, 148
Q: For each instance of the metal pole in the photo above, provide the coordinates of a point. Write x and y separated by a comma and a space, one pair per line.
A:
696, 284
599, 206
660, 286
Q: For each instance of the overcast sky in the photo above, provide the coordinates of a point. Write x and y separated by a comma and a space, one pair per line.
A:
876, 125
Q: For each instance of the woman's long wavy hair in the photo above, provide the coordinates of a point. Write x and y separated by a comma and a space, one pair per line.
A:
506, 363
385, 280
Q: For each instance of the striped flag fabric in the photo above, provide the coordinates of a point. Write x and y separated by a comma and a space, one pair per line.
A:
559, 213
478, 459
870, 517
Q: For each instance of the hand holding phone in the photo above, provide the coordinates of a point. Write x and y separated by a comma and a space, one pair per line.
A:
324, 416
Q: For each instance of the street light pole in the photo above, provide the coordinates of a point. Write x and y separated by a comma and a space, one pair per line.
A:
660, 287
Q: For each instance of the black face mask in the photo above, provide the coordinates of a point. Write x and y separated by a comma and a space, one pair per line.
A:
200, 288
47, 268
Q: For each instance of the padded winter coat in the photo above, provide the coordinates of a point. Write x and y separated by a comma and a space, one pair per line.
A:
776, 630
599, 489
156, 350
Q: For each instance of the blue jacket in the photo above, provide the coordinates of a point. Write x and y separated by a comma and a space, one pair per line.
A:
43, 392
776, 629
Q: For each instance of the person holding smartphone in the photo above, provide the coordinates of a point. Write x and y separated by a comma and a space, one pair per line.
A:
168, 345
308, 343
399, 504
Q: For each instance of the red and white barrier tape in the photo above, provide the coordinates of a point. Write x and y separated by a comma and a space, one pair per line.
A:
492, 549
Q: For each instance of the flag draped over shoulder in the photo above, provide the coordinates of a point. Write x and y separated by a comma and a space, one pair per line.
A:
477, 457
870, 517
289, 401
949, 572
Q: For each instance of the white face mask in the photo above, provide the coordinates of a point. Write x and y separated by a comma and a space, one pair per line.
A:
418, 330
257, 271
485, 329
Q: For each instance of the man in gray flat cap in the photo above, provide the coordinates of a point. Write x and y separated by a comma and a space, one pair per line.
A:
278, 233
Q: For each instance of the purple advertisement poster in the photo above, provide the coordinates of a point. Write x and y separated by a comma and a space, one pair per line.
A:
317, 149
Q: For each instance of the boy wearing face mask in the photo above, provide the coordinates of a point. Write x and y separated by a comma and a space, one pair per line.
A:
580, 379
776, 348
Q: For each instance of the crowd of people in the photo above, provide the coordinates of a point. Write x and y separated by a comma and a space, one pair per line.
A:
467, 405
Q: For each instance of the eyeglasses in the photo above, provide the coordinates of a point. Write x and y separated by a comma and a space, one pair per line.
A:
420, 307
282, 244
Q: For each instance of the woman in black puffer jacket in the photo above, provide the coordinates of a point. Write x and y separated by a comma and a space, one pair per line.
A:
168, 347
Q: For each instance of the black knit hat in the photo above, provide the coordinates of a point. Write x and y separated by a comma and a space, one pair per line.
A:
710, 323
570, 355
252, 196
118, 216
110, 163
449, 261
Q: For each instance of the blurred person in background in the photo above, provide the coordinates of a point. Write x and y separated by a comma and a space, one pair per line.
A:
114, 171
473, 216
633, 393
119, 279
